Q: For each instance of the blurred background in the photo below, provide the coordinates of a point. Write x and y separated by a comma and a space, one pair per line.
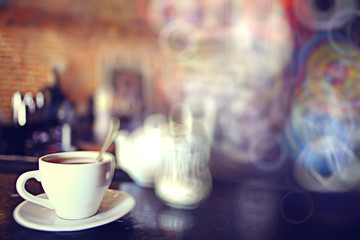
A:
272, 82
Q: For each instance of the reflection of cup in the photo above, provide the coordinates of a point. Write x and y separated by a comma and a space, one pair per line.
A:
73, 181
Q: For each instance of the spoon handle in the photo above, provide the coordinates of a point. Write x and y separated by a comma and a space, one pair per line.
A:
110, 136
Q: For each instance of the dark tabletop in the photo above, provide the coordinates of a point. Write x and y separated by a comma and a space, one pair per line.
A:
235, 210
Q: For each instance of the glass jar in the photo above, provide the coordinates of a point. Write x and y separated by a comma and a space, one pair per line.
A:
184, 179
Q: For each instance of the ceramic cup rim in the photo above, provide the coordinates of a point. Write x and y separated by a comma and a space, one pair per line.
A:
107, 157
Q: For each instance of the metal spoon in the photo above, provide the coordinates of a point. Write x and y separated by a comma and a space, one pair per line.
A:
110, 136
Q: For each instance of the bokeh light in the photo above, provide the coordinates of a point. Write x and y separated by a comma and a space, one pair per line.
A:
296, 207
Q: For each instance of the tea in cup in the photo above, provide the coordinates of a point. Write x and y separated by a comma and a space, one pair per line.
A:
74, 182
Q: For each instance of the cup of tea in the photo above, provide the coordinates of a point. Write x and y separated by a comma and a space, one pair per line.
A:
74, 182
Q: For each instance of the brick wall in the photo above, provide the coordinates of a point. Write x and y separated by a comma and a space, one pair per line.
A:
26, 61
35, 39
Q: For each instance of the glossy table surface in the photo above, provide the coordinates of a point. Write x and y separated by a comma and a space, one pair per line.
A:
234, 210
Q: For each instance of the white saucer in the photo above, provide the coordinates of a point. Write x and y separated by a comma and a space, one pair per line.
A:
114, 205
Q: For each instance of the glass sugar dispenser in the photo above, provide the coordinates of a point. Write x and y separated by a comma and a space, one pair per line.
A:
184, 179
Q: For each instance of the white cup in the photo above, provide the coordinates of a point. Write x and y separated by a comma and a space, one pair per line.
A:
74, 182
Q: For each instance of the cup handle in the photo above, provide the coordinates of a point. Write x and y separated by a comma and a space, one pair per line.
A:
20, 187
